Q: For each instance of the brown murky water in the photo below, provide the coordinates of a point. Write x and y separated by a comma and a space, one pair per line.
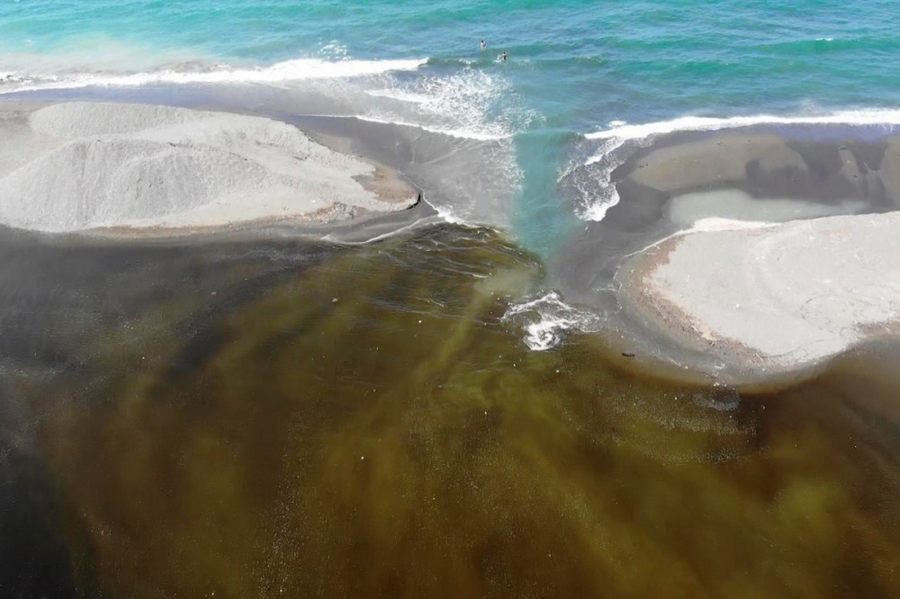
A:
281, 419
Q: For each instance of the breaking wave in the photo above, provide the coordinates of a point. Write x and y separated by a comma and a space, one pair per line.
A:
466, 103
298, 69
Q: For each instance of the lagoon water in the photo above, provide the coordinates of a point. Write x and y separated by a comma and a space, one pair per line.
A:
273, 415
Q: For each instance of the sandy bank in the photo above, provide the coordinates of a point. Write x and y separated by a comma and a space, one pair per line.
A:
81, 166
774, 297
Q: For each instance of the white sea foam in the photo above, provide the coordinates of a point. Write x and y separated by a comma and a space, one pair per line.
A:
476, 185
459, 105
601, 194
290, 70
547, 319
334, 50
399, 95
473, 177
468, 103
460, 133
447, 216
869, 117
597, 191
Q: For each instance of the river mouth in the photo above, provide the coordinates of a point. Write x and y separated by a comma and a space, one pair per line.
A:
351, 410
283, 416
560, 371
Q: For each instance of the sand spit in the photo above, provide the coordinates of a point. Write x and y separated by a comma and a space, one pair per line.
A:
772, 298
81, 166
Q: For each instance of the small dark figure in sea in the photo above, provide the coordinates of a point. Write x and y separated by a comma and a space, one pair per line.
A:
483, 45
503, 56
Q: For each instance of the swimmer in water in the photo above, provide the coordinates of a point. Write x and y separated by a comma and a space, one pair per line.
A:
503, 56
483, 45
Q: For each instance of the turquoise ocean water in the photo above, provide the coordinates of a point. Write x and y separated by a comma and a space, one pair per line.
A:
575, 67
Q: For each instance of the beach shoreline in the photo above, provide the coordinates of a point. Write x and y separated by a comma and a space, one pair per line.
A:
680, 183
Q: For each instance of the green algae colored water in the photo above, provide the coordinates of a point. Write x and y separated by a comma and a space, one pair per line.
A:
277, 418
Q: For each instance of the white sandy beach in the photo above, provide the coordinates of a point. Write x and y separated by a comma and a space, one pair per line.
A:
81, 166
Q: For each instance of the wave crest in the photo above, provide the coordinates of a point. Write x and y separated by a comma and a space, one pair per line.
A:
298, 69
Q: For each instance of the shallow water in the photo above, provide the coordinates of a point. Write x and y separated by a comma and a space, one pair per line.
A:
267, 418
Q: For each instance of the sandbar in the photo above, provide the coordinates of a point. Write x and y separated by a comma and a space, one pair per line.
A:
95, 166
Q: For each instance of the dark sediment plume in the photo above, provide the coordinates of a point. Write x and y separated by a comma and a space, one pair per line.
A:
267, 417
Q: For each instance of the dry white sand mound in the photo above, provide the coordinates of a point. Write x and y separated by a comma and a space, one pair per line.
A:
773, 297
78, 166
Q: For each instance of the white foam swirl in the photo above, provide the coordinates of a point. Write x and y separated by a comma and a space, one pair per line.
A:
547, 319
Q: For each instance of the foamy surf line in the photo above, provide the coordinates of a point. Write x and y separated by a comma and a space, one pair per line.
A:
290, 70
460, 133
887, 117
457, 133
399, 95
614, 138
